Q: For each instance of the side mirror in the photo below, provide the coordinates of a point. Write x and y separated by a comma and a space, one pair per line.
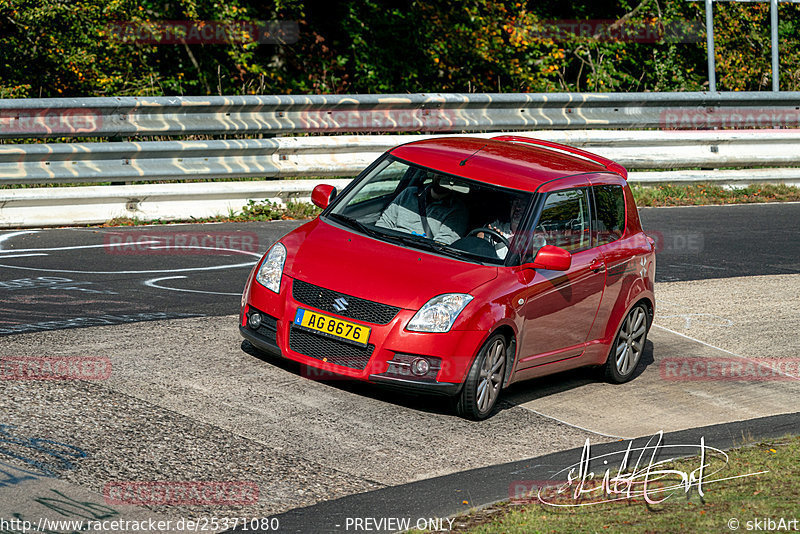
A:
552, 258
322, 195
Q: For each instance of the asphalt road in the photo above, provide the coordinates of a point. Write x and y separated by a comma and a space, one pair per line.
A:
698, 243
71, 277
187, 401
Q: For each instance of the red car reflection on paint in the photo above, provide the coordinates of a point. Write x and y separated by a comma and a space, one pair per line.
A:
529, 260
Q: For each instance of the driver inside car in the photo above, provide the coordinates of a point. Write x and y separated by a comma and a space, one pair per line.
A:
506, 228
433, 211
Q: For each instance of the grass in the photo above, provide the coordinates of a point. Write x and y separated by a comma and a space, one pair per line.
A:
769, 495
664, 195
704, 194
254, 211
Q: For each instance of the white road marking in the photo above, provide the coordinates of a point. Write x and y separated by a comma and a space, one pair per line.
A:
19, 255
689, 317
570, 424
77, 247
234, 250
5, 237
152, 283
756, 362
654, 208
154, 271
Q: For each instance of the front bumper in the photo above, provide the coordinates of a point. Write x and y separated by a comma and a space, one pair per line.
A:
452, 353
437, 388
259, 342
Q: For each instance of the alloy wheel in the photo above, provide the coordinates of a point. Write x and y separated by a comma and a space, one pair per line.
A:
630, 341
490, 379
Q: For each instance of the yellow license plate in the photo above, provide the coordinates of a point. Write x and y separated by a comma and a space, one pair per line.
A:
333, 327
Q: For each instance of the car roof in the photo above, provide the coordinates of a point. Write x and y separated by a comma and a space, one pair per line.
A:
507, 164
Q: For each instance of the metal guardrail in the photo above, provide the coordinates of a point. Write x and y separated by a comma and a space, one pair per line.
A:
590, 121
283, 114
347, 155
58, 206
326, 156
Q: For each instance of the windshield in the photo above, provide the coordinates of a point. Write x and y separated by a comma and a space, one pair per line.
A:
423, 208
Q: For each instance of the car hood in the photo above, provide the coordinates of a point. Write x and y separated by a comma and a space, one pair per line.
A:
325, 255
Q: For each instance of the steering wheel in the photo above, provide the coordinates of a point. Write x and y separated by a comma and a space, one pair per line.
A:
497, 236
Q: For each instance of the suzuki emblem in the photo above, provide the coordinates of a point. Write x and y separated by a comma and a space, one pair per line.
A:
340, 304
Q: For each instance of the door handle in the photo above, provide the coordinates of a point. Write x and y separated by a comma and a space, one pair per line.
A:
597, 266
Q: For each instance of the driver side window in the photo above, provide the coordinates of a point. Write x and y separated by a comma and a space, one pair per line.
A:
565, 221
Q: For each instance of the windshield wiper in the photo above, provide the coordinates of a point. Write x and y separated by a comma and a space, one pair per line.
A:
411, 239
429, 244
353, 223
447, 249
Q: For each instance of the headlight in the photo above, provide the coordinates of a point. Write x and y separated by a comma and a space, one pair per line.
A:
269, 275
439, 313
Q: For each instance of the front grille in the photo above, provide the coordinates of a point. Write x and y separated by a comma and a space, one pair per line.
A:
357, 308
331, 350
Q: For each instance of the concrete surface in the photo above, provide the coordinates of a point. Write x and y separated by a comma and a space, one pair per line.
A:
194, 406
753, 316
724, 321
185, 402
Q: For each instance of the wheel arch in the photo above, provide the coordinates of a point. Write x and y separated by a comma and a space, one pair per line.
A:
649, 306
631, 297
511, 349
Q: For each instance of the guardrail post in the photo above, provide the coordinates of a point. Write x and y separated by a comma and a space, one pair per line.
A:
712, 69
775, 51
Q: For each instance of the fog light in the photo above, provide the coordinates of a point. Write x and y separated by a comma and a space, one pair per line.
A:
254, 321
420, 367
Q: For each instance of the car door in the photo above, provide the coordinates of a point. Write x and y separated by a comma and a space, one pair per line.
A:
560, 306
608, 231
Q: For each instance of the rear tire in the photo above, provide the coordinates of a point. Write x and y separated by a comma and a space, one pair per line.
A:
626, 352
482, 387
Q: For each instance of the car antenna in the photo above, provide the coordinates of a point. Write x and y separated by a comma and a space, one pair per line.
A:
465, 160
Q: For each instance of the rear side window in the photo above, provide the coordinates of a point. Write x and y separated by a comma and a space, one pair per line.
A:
565, 220
609, 221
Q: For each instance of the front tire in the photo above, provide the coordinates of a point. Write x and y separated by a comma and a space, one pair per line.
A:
628, 346
479, 395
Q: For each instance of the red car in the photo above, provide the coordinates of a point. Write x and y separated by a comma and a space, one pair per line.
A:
461, 265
